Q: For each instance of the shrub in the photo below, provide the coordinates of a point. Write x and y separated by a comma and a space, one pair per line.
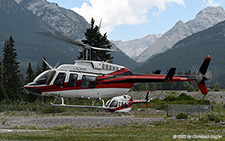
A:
190, 88
182, 116
213, 117
47, 110
184, 96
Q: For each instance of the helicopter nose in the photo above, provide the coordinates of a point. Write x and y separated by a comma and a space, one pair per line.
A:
31, 88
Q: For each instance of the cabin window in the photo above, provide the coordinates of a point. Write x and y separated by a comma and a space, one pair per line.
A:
88, 81
72, 80
60, 79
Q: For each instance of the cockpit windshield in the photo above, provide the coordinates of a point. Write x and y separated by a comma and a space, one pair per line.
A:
107, 103
114, 103
45, 77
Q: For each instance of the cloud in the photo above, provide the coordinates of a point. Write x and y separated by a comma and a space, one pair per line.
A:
211, 3
121, 12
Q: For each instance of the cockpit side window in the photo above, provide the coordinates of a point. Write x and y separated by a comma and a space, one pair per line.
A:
114, 103
60, 79
88, 81
72, 80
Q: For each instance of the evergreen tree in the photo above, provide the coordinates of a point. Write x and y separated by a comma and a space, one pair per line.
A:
94, 38
30, 74
30, 77
39, 70
3, 94
11, 78
217, 87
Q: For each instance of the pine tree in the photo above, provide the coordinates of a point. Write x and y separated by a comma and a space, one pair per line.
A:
11, 78
30, 77
94, 38
3, 95
30, 74
39, 70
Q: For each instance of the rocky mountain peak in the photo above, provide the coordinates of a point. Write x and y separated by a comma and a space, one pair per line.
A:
210, 10
134, 48
206, 18
60, 19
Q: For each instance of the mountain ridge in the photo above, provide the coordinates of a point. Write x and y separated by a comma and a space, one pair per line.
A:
203, 20
133, 48
191, 51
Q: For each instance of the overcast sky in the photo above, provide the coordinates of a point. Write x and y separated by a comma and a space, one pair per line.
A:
130, 19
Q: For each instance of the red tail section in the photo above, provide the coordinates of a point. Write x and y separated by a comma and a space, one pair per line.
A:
201, 75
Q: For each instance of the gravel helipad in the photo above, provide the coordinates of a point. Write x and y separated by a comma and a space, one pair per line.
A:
75, 121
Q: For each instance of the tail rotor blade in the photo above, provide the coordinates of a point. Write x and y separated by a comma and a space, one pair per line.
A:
201, 77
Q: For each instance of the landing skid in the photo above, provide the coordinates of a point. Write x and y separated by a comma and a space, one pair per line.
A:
77, 106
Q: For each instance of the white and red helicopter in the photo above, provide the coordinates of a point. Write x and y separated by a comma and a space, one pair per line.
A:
96, 80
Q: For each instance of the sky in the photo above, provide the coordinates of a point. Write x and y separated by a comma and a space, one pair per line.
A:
131, 19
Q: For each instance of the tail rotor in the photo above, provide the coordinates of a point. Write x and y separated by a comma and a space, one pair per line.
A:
201, 76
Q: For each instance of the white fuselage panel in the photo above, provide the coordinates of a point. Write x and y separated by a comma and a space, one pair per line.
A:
89, 93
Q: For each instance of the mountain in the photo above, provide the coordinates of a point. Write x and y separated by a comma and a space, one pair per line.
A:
203, 20
18, 19
191, 51
31, 46
60, 19
134, 48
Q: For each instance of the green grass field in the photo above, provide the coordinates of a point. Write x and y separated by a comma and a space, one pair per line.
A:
169, 130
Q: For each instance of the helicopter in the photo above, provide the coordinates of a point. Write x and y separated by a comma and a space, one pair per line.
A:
88, 79
118, 104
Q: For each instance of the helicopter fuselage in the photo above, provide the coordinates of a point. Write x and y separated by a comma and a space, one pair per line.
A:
95, 80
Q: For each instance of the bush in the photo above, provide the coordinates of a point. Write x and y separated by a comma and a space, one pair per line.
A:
217, 87
182, 116
186, 99
190, 88
213, 117
48, 110
184, 96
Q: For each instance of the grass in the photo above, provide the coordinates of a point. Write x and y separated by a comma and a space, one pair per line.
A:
154, 131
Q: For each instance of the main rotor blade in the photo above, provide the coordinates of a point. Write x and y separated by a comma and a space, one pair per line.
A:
98, 48
59, 36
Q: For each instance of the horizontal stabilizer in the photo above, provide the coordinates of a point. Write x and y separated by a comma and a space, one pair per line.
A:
170, 74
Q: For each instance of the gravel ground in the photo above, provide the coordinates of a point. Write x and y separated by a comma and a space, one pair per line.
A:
78, 121
217, 97
35, 121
